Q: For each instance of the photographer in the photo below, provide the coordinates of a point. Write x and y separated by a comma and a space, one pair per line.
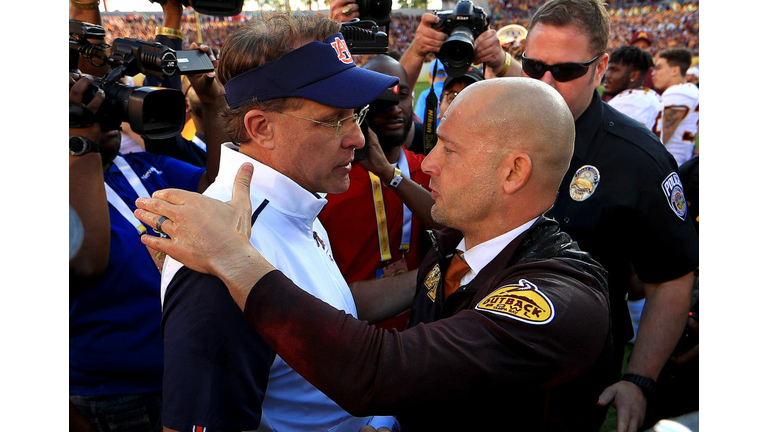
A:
170, 35
487, 47
116, 353
371, 242
344, 10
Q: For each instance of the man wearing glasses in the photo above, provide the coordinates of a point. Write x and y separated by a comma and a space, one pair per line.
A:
378, 226
510, 321
621, 200
295, 101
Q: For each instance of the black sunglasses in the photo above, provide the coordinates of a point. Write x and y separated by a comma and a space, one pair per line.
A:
560, 71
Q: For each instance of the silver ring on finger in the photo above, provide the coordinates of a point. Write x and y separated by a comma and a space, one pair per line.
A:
159, 226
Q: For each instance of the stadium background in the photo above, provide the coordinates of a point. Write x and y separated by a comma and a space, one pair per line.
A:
671, 23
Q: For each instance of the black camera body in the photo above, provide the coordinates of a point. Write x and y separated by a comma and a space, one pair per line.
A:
211, 7
462, 25
375, 10
154, 112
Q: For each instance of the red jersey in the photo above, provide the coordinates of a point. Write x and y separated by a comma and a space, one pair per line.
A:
351, 220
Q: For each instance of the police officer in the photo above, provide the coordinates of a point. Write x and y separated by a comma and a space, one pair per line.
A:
621, 199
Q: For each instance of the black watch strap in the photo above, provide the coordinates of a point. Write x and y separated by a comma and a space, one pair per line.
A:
79, 145
647, 385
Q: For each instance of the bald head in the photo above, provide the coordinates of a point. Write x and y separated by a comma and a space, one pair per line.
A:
521, 115
384, 64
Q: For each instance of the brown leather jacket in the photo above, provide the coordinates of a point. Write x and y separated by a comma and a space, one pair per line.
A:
521, 347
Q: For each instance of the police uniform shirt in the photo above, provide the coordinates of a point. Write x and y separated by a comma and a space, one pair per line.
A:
287, 233
623, 202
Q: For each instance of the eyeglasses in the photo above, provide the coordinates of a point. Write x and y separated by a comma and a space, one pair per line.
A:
561, 72
358, 116
449, 96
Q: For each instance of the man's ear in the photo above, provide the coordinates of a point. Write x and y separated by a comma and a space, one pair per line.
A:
517, 172
260, 128
600, 69
634, 76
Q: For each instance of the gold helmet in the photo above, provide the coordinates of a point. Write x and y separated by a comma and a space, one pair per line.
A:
512, 38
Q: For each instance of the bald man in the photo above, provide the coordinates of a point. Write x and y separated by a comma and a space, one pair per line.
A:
514, 342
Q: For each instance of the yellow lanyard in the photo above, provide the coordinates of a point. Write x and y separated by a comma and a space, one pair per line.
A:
381, 218
381, 213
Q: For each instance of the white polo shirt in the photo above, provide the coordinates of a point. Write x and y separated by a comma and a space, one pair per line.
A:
289, 235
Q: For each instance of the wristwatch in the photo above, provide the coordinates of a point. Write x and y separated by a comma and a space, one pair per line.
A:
396, 179
647, 385
79, 145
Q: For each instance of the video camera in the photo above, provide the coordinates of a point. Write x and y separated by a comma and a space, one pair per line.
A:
154, 112
211, 7
462, 25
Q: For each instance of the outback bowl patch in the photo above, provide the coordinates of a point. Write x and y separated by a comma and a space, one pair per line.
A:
433, 278
584, 183
523, 302
673, 190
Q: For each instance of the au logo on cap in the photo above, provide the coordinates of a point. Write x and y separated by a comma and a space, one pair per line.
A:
522, 301
340, 45
584, 183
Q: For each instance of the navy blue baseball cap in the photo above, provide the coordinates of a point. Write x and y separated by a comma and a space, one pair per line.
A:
324, 72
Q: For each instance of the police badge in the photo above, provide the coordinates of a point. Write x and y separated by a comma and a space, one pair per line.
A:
673, 190
584, 183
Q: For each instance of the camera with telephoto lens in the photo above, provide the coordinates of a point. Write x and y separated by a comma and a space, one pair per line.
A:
154, 112
462, 25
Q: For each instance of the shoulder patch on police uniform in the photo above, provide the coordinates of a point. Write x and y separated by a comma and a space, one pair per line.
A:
673, 190
584, 183
523, 302
431, 281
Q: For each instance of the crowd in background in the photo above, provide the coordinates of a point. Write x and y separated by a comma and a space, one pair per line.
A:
672, 25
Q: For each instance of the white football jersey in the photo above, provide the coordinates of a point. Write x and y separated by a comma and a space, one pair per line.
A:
683, 97
641, 104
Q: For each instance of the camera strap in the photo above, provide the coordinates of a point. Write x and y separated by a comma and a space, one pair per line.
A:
117, 202
430, 116
114, 199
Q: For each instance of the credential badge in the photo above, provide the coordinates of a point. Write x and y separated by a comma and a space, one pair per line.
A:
673, 190
584, 183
